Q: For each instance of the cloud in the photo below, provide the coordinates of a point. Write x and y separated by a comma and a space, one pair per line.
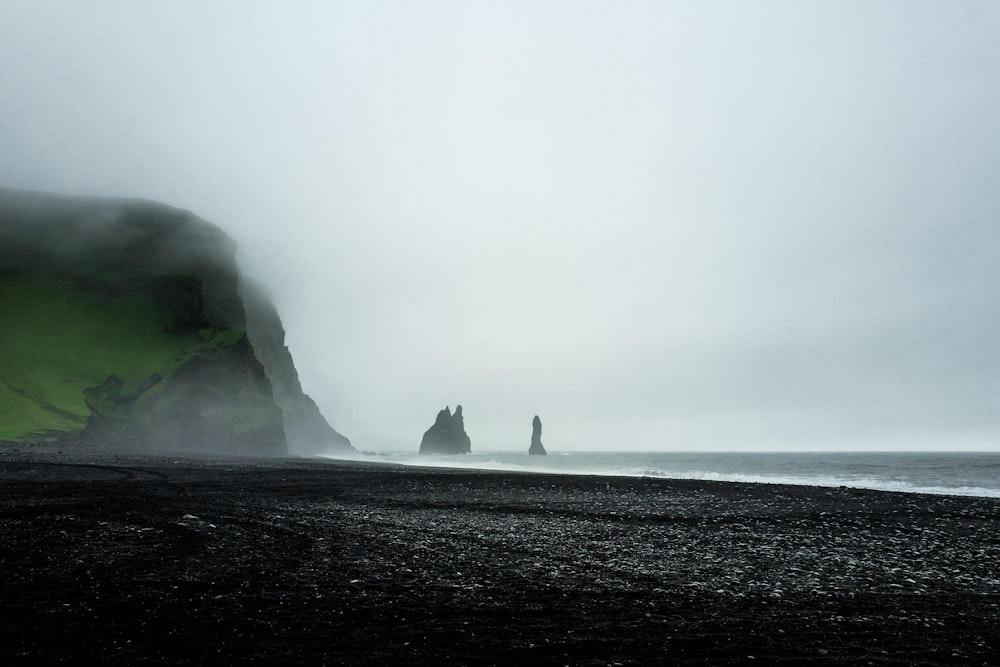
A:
659, 225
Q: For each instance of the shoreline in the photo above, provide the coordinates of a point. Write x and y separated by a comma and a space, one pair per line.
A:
67, 453
88, 454
512, 459
185, 559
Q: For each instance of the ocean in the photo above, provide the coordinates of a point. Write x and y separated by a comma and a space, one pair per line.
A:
949, 473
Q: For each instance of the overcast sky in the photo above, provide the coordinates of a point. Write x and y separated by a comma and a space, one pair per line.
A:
657, 225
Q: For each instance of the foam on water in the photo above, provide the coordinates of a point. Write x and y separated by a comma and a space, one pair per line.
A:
939, 473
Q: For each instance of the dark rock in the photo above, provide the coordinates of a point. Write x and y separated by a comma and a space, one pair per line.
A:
219, 400
447, 435
306, 430
536, 437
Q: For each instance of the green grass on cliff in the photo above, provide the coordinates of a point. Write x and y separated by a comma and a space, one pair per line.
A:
56, 339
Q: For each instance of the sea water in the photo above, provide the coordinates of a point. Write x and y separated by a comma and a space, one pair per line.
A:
950, 473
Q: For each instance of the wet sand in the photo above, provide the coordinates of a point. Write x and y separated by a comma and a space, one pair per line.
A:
184, 560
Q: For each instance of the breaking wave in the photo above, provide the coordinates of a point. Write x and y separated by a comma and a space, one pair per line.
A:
963, 474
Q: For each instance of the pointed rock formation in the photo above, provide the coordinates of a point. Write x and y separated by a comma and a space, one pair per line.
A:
447, 435
536, 437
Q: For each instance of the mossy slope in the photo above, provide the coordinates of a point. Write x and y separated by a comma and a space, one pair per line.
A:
121, 323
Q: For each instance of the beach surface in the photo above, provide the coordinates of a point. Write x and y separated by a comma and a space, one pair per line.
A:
183, 560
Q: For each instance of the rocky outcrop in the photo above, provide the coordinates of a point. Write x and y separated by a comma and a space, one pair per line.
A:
536, 438
124, 326
306, 430
219, 400
447, 435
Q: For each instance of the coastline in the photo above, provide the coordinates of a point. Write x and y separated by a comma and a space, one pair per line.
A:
966, 473
181, 559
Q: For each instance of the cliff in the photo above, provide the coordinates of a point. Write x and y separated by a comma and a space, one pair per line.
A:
123, 325
306, 430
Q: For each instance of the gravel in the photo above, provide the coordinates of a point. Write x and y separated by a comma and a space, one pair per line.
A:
186, 560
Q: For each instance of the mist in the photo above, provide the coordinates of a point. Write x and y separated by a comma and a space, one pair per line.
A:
665, 225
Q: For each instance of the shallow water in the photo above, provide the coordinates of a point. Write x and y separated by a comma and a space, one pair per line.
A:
949, 473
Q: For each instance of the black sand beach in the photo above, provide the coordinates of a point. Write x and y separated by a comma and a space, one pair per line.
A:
125, 560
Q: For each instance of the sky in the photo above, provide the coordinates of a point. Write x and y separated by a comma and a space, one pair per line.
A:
658, 225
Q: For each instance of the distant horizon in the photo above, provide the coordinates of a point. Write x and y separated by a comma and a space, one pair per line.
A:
984, 449
968, 473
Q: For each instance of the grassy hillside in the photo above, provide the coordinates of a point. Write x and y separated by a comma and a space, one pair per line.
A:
121, 323
62, 333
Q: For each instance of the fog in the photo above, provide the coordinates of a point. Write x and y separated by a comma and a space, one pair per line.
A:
657, 225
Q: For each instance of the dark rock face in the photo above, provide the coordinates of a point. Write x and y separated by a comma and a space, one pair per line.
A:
220, 400
306, 430
447, 435
124, 326
536, 437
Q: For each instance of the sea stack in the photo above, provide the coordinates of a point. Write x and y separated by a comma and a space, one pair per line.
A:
447, 435
536, 438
